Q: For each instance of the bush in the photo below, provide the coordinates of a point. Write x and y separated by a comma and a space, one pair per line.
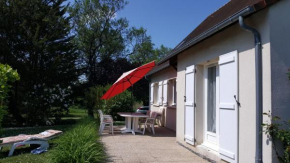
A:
7, 75
81, 144
288, 74
279, 131
121, 103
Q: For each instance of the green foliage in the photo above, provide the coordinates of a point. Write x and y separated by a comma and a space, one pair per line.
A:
279, 131
288, 74
161, 52
35, 39
93, 99
121, 103
142, 49
81, 144
7, 76
56, 100
98, 32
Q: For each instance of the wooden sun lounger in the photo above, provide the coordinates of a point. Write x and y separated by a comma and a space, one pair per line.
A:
41, 139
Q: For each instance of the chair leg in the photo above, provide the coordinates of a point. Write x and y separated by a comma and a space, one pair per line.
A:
144, 129
112, 128
139, 126
152, 127
102, 128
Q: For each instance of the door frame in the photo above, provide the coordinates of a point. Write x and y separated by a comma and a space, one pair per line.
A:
206, 143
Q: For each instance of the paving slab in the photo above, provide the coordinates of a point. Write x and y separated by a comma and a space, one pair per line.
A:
148, 148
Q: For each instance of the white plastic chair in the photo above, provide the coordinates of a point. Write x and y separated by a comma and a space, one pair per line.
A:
101, 114
143, 120
105, 120
160, 116
151, 122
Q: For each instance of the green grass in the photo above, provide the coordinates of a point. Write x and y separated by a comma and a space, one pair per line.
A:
22, 154
77, 112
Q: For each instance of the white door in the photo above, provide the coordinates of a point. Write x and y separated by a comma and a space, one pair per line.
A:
228, 109
189, 104
211, 106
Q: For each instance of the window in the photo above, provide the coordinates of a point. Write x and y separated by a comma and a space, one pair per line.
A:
155, 94
211, 99
174, 93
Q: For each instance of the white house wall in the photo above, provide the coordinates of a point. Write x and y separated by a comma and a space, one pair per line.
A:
280, 58
231, 39
169, 120
200, 104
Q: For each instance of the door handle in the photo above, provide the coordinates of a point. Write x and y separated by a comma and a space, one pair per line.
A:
238, 103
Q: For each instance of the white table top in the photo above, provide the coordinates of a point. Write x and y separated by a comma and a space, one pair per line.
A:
130, 114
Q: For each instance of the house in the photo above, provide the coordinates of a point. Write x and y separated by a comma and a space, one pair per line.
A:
214, 86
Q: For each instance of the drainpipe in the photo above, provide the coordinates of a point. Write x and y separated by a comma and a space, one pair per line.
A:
259, 90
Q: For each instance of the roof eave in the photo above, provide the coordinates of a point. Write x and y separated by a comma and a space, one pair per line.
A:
227, 22
158, 69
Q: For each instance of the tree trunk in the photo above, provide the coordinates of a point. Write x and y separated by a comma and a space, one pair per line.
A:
91, 112
13, 106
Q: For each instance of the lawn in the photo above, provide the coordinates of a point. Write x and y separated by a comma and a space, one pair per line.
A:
22, 154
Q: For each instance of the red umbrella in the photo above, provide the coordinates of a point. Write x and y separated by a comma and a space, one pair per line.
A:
127, 80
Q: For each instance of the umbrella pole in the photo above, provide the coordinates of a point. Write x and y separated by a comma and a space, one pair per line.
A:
132, 86
132, 98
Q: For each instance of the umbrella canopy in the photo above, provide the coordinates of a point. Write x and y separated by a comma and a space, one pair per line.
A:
127, 80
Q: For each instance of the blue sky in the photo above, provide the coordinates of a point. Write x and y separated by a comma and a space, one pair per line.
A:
168, 22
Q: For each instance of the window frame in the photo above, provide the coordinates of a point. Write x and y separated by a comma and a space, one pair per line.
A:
156, 94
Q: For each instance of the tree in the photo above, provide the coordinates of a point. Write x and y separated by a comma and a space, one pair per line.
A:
106, 44
141, 50
35, 39
161, 52
99, 34
7, 76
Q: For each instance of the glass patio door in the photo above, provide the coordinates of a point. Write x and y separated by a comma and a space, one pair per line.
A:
211, 117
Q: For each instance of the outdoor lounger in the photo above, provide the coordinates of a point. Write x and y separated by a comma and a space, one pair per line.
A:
41, 139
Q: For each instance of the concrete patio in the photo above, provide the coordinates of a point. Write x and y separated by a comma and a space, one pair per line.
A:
147, 148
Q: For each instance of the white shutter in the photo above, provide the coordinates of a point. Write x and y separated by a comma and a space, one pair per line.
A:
165, 94
152, 93
189, 104
228, 142
160, 93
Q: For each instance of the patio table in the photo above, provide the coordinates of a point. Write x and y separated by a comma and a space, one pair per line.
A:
129, 116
